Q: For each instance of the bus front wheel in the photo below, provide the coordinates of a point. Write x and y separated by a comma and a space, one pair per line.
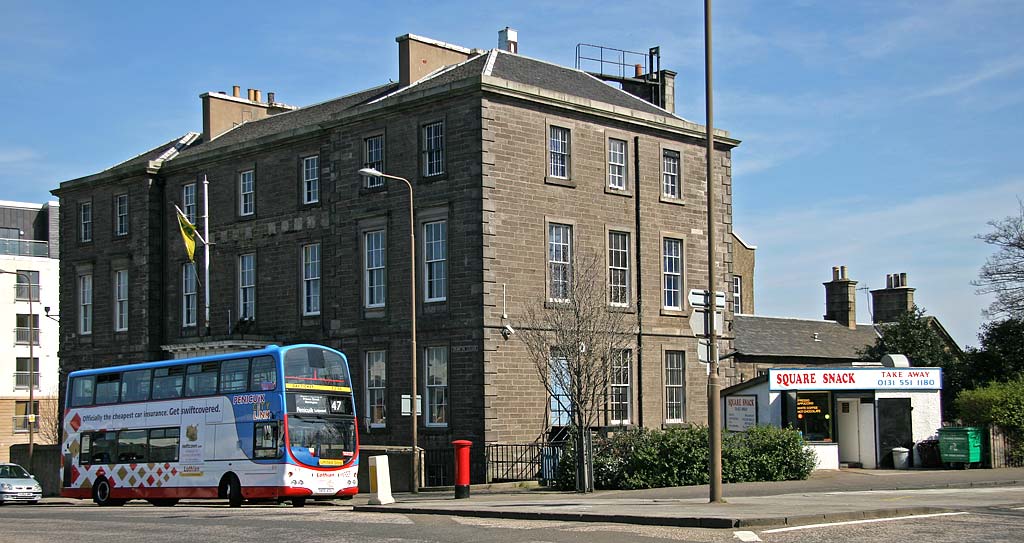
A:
101, 494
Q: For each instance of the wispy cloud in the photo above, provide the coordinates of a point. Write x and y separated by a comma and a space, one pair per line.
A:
10, 155
994, 70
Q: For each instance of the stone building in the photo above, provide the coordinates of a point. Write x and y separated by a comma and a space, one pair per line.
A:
517, 165
28, 292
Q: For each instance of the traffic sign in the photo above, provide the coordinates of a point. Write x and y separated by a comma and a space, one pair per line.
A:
699, 322
698, 298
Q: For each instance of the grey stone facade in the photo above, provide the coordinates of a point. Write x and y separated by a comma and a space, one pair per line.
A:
497, 201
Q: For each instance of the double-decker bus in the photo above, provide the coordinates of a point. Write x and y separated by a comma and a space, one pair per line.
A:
272, 424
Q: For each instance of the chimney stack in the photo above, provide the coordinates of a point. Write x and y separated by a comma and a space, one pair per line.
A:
841, 298
419, 56
222, 112
892, 301
508, 40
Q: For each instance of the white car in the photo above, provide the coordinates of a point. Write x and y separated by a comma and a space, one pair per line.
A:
18, 486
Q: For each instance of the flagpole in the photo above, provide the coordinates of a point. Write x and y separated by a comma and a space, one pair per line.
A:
206, 251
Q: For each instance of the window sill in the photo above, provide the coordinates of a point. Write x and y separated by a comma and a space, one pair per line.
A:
429, 179
363, 189
433, 308
560, 181
673, 312
618, 192
374, 312
621, 308
670, 200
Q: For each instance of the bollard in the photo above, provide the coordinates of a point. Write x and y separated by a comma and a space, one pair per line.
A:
380, 481
461, 468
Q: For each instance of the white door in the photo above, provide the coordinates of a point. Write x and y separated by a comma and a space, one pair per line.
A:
848, 428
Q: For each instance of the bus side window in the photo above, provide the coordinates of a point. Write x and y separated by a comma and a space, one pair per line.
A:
108, 388
163, 444
104, 447
168, 382
135, 385
234, 375
131, 446
264, 374
201, 379
82, 389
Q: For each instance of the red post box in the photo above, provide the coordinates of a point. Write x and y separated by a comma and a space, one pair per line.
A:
462, 467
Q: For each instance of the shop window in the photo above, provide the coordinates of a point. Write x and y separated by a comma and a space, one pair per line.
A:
814, 415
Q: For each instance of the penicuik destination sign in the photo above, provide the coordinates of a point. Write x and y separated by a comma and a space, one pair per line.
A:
855, 379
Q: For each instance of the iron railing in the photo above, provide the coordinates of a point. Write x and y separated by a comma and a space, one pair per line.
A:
22, 290
22, 335
1005, 447
22, 379
439, 466
521, 462
20, 424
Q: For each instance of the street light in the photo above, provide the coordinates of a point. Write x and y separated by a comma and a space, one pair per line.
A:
414, 484
31, 366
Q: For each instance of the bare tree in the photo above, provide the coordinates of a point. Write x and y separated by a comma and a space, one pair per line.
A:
1003, 272
49, 419
574, 337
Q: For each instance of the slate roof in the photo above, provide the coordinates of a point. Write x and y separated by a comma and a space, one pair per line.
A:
567, 81
775, 336
290, 120
508, 66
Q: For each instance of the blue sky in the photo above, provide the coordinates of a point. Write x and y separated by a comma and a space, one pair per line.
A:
880, 135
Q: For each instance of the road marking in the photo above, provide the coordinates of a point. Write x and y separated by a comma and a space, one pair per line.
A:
809, 526
746, 536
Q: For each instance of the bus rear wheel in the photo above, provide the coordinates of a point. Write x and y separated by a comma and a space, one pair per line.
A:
101, 494
232, 490
298, 502
164, 502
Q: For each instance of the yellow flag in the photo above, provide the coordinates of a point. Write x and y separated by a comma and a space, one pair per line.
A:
188, 235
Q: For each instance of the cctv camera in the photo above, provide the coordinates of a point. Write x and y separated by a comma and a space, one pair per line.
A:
507, 331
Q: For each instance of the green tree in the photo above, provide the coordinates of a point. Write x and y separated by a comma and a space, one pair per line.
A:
915, 335
912, 334
1000, 356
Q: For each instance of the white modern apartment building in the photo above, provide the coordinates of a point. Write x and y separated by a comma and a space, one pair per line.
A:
29, 252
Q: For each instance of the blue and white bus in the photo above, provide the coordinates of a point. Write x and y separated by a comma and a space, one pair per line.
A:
272, 424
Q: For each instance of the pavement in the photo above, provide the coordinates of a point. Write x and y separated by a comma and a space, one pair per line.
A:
828, 496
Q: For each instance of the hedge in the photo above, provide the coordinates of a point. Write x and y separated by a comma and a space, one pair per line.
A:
644, 458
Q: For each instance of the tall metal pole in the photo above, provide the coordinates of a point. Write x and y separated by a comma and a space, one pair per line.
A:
206, 251
31, 374
714, 387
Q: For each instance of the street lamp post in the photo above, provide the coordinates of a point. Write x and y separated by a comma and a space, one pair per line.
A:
31, 367
414, 483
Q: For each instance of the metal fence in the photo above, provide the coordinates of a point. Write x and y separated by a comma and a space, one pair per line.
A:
439, 466
521, 462
1006, 448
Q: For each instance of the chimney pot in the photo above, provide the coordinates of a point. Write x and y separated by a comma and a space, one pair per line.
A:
842, 269
258, 96
835, 273
251, 94
270, 98
236, 91
888, 280
903, 279
638, 69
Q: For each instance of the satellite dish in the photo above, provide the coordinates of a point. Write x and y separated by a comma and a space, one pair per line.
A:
895, 361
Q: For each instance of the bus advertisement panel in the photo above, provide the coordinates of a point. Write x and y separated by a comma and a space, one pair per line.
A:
278, 423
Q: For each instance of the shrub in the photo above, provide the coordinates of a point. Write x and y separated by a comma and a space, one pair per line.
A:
996, 403
644, 458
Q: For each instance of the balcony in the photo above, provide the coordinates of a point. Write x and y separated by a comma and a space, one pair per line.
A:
22, 335
22, 378
22, 292
24, 247
21, 422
